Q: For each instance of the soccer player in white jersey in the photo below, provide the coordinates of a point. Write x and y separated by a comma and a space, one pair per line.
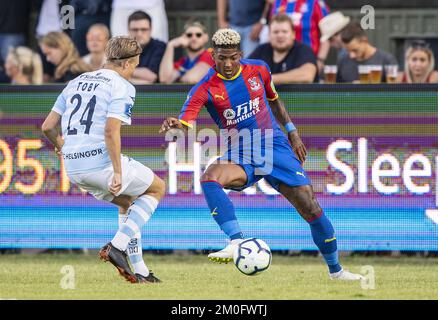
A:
91, 110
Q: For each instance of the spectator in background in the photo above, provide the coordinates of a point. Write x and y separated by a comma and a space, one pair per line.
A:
246, 17
49, 20
122, 9
192, 67
419, 64
305, 15
60, 50
289, 60
3, 77
14, 25
23, 66
87, 13
331, 27
97, 38
360, 52
140, 27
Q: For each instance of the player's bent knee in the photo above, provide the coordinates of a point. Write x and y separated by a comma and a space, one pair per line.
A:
157, 189
209, 176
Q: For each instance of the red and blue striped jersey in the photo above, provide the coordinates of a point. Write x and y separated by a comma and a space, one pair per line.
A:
305, 15
241, 102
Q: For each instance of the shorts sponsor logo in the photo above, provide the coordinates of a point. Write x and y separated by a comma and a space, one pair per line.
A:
85, 154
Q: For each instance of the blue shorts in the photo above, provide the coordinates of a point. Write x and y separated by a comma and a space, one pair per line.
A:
285, 167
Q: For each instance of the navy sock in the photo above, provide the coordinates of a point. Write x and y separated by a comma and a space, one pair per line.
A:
222, 209
323, 235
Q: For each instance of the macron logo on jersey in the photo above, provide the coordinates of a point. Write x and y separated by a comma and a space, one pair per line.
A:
243, 111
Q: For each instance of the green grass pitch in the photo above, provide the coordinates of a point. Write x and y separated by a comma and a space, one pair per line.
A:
188, 277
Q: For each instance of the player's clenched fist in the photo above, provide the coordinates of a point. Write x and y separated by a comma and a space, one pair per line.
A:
116, 184
170, 123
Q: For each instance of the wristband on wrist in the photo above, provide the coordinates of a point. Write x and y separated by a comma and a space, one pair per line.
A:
289, 127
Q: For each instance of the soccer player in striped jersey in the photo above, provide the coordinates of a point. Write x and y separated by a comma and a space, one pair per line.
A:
240, 96
91, 110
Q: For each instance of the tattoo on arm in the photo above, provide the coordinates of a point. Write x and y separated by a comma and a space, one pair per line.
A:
279, 111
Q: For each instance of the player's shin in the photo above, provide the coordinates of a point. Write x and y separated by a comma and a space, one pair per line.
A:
138, 214
135, 250
222, 209
323, 235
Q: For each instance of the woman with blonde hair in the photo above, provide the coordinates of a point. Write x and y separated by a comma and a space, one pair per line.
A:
23, 66
60, 50
419, 64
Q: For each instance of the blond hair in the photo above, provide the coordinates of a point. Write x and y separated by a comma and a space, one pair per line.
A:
119, 49
70, 59
226, 38
410, 51
28, 62
102, 27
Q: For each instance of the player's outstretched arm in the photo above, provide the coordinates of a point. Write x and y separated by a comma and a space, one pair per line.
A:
113, 144
171, 123
50, 130
283, 118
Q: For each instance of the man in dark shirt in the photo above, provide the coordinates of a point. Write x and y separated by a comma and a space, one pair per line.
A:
87, 13
14, 24
360, 52
140, 26
247, 17
290, 61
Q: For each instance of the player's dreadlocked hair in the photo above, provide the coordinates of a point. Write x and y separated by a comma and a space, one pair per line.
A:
226, 39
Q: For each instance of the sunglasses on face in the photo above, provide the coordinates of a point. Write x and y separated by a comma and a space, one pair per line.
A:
135, 30
189, 34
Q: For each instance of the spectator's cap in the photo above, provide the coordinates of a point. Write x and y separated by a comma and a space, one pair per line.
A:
332, 24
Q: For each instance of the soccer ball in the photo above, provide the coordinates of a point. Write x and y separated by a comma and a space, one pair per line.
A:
252, 256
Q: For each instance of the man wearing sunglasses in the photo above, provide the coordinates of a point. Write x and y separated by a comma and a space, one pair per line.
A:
192, 67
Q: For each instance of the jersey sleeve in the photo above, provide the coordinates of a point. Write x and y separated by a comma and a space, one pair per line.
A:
271, 92
60, 104
321, 10
122, 101
178, 65
196, 99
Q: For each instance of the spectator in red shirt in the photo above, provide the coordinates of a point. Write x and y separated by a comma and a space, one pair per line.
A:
305, 15
195, 64
419, 64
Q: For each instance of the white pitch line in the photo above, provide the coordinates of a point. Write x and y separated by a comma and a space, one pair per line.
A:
432, 214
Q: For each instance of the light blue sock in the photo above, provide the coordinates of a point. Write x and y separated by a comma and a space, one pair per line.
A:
138, 214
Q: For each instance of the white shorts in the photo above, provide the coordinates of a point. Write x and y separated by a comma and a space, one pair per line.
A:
136, 179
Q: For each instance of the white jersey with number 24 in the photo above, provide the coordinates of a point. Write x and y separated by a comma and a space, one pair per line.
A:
85, 104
